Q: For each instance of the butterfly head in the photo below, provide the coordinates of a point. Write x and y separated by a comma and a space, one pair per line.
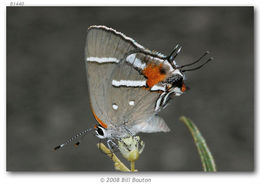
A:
175, 82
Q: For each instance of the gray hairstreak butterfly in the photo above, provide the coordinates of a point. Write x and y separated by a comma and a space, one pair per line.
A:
129, 84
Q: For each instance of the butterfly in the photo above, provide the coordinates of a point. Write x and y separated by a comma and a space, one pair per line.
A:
129, 84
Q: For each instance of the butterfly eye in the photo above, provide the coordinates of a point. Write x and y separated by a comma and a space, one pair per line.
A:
100, 131
178, 82
175, 81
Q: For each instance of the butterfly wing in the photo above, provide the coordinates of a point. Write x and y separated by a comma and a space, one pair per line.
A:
106, 52
103, 51
135, 103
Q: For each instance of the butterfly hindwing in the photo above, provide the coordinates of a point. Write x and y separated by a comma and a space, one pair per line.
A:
135, 105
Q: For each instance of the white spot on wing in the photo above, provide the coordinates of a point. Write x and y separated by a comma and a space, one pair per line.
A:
115, 106
138, 63
132, 103
130, 58
135, 61
103, 59
129, 83
157, 87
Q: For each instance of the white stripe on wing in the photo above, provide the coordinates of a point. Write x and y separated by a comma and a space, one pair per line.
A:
103, 59
129, 83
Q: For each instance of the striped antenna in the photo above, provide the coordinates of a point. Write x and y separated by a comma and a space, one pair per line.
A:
73, 138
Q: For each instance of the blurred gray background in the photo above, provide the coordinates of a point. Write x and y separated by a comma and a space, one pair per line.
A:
47, 94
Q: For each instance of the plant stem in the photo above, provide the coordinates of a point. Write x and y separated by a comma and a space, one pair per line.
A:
132, 164
206, 157
119, 165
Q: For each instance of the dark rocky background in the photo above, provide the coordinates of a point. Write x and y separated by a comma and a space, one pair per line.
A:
47, 95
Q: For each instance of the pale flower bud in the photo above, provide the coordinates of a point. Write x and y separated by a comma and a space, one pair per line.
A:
131, 147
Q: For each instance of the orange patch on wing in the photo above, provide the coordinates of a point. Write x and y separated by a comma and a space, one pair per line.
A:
99, 121
153, 74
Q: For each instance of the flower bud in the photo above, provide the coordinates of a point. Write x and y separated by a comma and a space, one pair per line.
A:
131, 147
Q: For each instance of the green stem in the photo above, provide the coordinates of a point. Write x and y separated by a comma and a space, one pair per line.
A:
132, 165
206, 157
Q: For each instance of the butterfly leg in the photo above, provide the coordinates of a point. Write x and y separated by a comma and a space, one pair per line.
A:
112, 146
99, 146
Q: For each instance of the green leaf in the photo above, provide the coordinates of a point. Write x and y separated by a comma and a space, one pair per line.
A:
206, 157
